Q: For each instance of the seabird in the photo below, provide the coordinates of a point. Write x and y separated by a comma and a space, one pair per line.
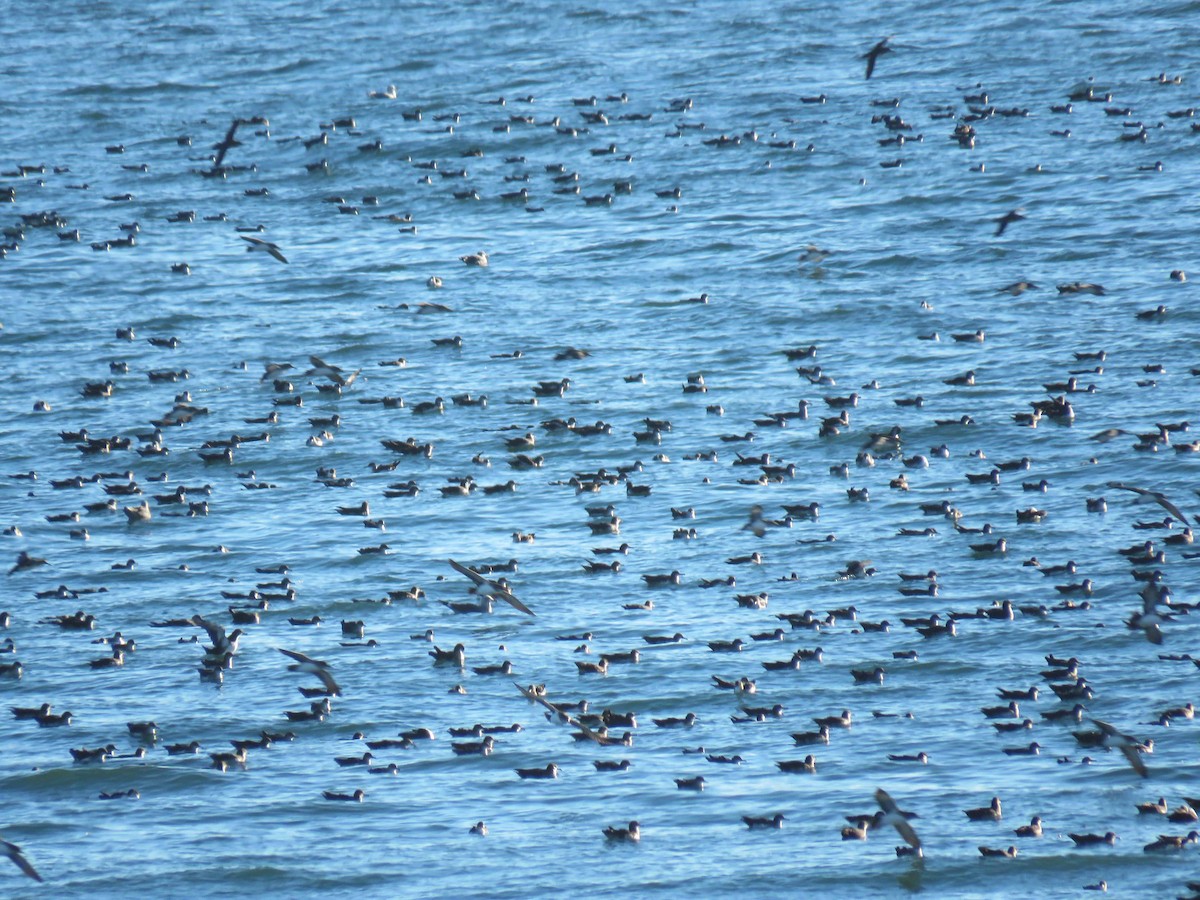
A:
1008, 218
872, 55
259, 245
891, 814
632, 834
498, 588
1128, 745
313, 667
13, 852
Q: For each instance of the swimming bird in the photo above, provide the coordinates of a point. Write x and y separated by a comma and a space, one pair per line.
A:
808, 765
1009, 852
139, 513
775, 821
1159, 807
632, 834
842, 721
1033, 829
456, 656
259, 245
989, 813
1093, 840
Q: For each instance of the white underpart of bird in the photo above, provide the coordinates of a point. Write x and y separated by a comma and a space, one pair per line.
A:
1150, 620
261, 246
221, 642
894, 817
1127, 744
497, 589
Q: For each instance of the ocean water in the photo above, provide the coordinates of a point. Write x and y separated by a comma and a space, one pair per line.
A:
904, 252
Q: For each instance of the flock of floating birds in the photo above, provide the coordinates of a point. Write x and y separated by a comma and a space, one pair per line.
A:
190, 461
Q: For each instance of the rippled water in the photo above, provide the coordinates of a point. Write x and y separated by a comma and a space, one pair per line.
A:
911, 250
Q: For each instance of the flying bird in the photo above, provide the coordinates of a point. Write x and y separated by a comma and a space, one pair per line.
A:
875, 52
1017, 288
222, 643
1008, 218
317, 667
1158, 497
1127, 744
497, 588
25, 561
892, 815
13, 852
322, 368
227, 143
261, 246
1150, 620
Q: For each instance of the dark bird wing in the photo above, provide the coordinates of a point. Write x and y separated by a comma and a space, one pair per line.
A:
1128, 746
226, 144
470, 573
495, 587
1007, 219
886, 803
1158, 497
304, 660
265, 246
893, 815
216, 633
1135, 760
13, 852
319, 363
327, 679
875, 52
317, 667
507, 596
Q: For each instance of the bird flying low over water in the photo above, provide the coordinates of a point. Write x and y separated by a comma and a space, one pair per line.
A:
312, 666
261, 246
13, 852
1127, 744
894, 816
872, 55
1008, 218
1150, 620
1157, 496
536, 693
497, 588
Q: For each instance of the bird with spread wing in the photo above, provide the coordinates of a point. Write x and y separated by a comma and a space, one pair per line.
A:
496, 588
311, 666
